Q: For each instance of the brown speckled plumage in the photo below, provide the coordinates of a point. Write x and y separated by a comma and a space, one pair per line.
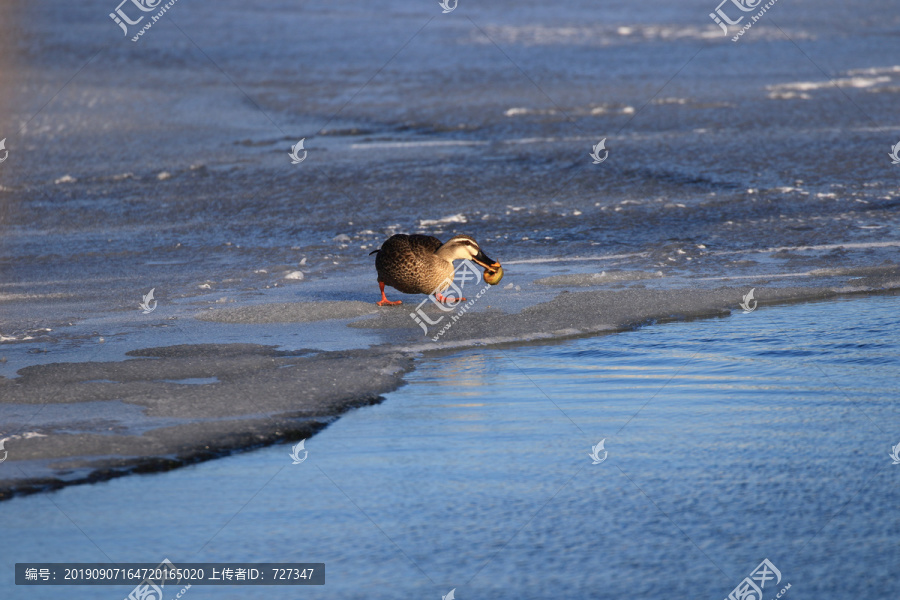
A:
421, 264
408, 263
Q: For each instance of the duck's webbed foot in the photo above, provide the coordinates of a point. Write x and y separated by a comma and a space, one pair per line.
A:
446, 300
384, 301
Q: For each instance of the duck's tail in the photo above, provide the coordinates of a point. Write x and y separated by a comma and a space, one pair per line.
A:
374, 252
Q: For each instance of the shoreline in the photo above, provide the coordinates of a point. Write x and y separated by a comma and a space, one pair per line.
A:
263, 396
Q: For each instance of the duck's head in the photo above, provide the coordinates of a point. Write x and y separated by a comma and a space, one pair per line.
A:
461, 247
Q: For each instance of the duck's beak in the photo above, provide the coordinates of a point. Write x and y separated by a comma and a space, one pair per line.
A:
489, 264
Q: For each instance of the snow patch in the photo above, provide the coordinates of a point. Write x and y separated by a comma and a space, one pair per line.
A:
457, 218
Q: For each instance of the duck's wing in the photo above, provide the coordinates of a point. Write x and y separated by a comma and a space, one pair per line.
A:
424, 245
406, 262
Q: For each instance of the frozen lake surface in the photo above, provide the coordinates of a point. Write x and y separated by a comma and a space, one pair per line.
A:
163, 165
762, 435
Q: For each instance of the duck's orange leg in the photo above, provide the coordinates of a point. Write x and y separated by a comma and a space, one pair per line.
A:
444, 299
384, 301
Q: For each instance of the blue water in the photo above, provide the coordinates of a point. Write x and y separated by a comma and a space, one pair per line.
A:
762, 435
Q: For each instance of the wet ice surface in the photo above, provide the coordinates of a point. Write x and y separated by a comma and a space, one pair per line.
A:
709, 173
166, 407
765, 435
208, 392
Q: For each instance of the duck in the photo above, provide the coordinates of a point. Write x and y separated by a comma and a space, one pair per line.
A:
422, 264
